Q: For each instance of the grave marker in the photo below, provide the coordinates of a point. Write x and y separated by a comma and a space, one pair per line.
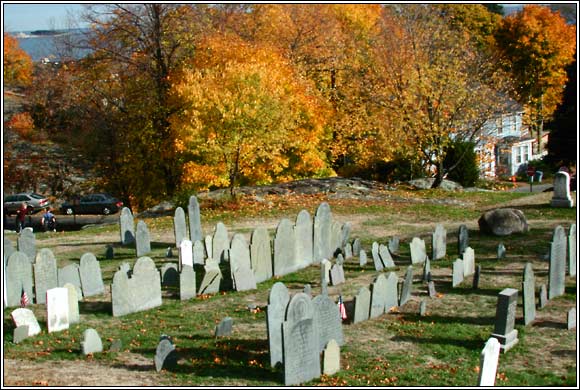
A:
90, 275
362, 305
407, 286
505, 317
195, 232
127, 226
561, 197
57, 309
529, 294
439, 242
261, 255
557, 268
488, 363
45, 274
277, 302
179, 226
331, 358
142, 239
91, 342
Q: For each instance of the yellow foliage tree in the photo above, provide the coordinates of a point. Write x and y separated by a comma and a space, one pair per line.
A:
17, 64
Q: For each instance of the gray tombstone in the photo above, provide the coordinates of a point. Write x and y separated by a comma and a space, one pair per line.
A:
331, 358
8, 248
304, 234
90, 275
393, 245
301, 354
557, 268
261, 255
169, 275
91, 342
529, 294
379, 294
198, 252
431, 289
307, 290
45, 274
356, 246
141, 291
284, 249
476, 277
458, 271
362, 258
25, 317
187, 283
73, 304
345, 234
208, 241
179, 226
561, 197
542, 296
18, 278
488, 362
277, 302
165, 355
392, 292
505, 317
327, 321
322, 233
572, 250
27, 244
571, 318
142, 239
220, 242
418, 251
195, 232
439, 242
336, 274
57, 309
385, 256
347, 251
501, 251
362, 302
325, 267
335, 238
376, 257
423, 309
243, 278
127, 226
20, 333
211, 278
224, 328
407, 286
462, 239
71, 274
340, 259
240, 255
468, 262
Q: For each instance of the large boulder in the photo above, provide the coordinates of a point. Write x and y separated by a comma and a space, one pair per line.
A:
503, 222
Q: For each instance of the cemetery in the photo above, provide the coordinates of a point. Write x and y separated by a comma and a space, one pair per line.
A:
252, 295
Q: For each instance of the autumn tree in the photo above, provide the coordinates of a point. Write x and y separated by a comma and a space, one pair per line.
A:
536, 45
17, 64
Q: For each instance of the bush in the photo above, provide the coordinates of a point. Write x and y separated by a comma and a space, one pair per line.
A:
466, 172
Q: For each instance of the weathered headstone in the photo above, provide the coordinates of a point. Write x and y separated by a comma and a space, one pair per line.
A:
187, 283
57, 309
529, 294
505, 317
141, 291
379, 294
458, 272
23, 316
165, 355
20, 333
393, 245
322, 233
284, 249
198, 252
362, 258
73, 304
169, 275
90, 275
572, 250
571, 318
277, 302
142, 239
18, 277
385, 256
423, 308
337, 274
307, 290
210, 278
376, 257
240, 264
8, 248
347, 251
304, 236
439, 242
45, 274
418, 251
392, 300
27, 244
426, 270
91, 342
407, 286
557, 268
431, 289
221, 243
208, 241
179, 226
462, 239
169, 252
561, 197
468, 262
542, 296
488, 362
356, 246
335, 238
261, 255
501, 251
127, 226
325, 267
116, 345
476, 277
331, 358
362, 302
195, 232
244, 279
224, 328
327, 321
71, 274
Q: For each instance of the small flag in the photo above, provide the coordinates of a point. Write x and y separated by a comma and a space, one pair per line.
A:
341, 307
24, 299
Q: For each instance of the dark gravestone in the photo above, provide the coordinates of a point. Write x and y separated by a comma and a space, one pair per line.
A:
224, 328
91, 342
505, 317
165, 355
476, 277
462, 239
407, 286
503, 222
109, 252
142, 238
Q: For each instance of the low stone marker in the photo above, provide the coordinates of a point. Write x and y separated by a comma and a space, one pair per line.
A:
542, 296
20, 333
501, 251
109, 252
572, 318
561, 197
476, 277
462, 239
503, 222
331, 358
418, 251
91, 342
25, 317
224, 328
505, 317
488, 362
165, 354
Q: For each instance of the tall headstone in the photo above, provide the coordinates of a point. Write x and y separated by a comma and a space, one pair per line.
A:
542, 296
18, 277
572, 250
362, 258
277, 302
261, 255
376, 257
557, 268
458, 272
73, 304
462, 239
322, 232
488, 363
221, 243
142, 238
407, 286
392, 300
356, 246
27, 244
23, 316
57, 309
327, 321
529, 294
561, 197
362, 302
284, 248
71, 274
179, 226
468, 262
187, 283
303, 231
418, 251
378, 296
439, 242
211, 278
505, 317
571, 318
127, 226
224, 328
195, 232
91, 342
239, 253
45, 274
91, 276
185, 253
208, 241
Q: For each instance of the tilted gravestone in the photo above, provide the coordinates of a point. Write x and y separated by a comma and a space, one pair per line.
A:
73, 304
462, 239
376, 257
345, 230
557, 268
393, 245
27, 244
224, 328
378, 296
572, 250
57, 309
187, 283
561, 197
427, 270
505, 317
165, 355
18, 278
23, 316
337, 274
244, 280
261, 255
488, 363
439, 242
141, 291
529, 294
210, 278
284, 249
301, 353
91, 342
90, 275
423, 308
240, 264
127, 226
195, 232
322, 233
362, 302
20, 333
179, 226
71, 274
277, 302
45, 274
407, 286
385, 256
431, 289
418, 251
303, 231
220, 242
142, 239
327, 321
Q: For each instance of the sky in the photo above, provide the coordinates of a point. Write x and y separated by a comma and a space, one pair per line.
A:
39, 16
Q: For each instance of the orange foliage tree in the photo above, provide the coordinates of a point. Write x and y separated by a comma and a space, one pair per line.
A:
17, 64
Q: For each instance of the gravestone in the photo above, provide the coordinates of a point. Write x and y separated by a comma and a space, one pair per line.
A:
431, 289
221, 243
462, 239
557, 268
439, 242
529, 294
561, 197
325, 267
385, 256
18, 277
165, 355
542, 296
501, 251
208, 241
468, 262
379, 294
407, 286
505, 317
488, 362
20, 333
169, 275
335, 238
8, 248
277, 302
331, 358
261, 255
73, 304
572, 250
90, 275
418, 252
187, 283
327, 321
179, 226
142, 239
198, 252
57, 309
344, 234
392, 292
376, 257
362, 302
458, 272
224, 328
45, 274
571, 323
241, 265
393, 245
127, 226
185, 253
427, 270
362, 258
301, 354
347, 251
322, 233
211, 278
25, 317
304, 234
284, 249
91, 342
195, 232
141, 291
356, 246
169, 252
423, 308
109, 252
71, 274
27, 244
244, 279
476, 277
307, 290
337, 274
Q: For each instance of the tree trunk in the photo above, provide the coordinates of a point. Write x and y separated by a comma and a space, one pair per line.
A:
438, 176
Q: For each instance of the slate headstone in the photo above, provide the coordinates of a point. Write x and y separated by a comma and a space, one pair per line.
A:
439, 242
284, 249
458, 271
91, 342
142, 239
542, 296
109, 252
20, 333
379, 294
165, 355
431, 289
327, 321
8, 248
392, 292
476, 277
261, 255
169, 275
407, 286
127, 226
303, 231
224, 328
27, 244
376, 257
505, 317
45, 274
571, 323
210, 279
18, 277
337, 274
462, 239
199, 252
362, 302
362, 256
277, 302
71, 274
529, 294
426, 270
221, 243
557, 268
572, 250
179, 226
423, 308
322, 233
385, 256
356, 246
348, 251
187, 283
393, 245
501, 251
91, 276
195, 232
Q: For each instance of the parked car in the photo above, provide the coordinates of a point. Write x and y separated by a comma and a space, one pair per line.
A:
92, 204
35, 202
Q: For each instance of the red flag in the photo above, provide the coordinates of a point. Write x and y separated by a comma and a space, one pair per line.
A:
341, 307
24, 299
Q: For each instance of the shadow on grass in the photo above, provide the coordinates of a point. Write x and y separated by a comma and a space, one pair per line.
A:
549, 324
438, 319
95, 307
474, 345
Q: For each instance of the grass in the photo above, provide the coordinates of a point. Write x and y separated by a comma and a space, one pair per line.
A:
400, 348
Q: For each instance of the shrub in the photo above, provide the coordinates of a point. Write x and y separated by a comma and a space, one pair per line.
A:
22, 124
466, 172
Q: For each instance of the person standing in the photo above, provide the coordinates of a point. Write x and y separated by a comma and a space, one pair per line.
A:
21, 217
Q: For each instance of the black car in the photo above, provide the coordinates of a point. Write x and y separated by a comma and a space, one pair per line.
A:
92, 204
